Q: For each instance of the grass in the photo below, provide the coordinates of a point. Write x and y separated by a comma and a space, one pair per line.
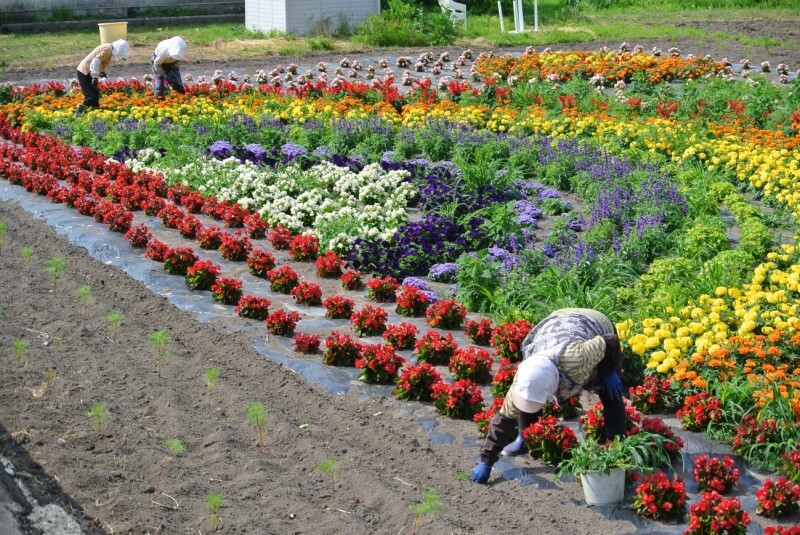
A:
632, 20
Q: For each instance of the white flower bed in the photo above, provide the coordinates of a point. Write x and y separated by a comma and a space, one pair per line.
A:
337, 204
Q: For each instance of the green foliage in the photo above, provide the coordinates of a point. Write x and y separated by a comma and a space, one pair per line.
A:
644, 450
55, 267
705, 238
257, 415
27, 252
214, 502
97, 414
429, 506
405, 23
329, 467
114, 321
84, 293
159, 340
478, 280
175, 447
3, 227
211, 380
19, 347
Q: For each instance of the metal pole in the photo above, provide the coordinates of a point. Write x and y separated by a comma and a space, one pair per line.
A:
516, 15
536, 15
521, 18
500, 10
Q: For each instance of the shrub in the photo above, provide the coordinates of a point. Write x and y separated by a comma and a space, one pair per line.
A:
445, 314
202, 275
329, 265
382, 290
307, 293
479, 332
405, 24
283, 279
379, 364
659, 497
253, 307
227, 290
369, 321
306, 343
178, 260
351, 280
473, 364
435, 348
548, 440
507, 339
416, 382
304, 247
459, 399
280, 323
235, 247
341, 350
260, 263
338, 307
401, 336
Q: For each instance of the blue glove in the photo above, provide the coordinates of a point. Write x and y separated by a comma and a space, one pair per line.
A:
481, 473
612, 385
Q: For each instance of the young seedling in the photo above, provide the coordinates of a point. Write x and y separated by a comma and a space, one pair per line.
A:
159, 339
429, 506
257, 415
55, 267
175, 448
3, 227
211, 379
98, 414
27, 252
114, 322
214, 502
84, 293
328, 467
19, 347
49, 376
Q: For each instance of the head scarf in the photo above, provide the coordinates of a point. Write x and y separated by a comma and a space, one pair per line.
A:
119, 50
176, 48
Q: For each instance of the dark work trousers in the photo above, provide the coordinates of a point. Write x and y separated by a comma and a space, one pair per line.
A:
614, 416
169, 73
90, 93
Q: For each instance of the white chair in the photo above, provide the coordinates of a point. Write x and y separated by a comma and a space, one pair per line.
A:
458, 11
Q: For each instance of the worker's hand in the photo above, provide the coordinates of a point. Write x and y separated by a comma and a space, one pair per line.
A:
95, 81
612, 385
481, 473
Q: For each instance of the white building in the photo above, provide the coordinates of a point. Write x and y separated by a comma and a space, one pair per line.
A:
303, 17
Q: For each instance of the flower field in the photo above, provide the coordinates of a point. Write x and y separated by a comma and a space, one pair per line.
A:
657, 188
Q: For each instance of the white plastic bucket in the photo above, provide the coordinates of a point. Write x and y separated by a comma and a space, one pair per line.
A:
604, 489
111, 31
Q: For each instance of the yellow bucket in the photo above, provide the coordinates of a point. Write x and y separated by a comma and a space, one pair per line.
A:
111, 31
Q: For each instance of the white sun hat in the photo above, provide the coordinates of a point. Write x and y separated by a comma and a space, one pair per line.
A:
535, 383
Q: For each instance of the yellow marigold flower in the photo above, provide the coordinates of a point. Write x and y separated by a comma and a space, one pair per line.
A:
747, 326
720, 291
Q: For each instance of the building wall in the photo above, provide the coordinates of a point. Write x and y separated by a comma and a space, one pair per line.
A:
305, 16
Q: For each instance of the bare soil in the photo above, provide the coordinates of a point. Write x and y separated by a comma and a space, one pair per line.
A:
107, 479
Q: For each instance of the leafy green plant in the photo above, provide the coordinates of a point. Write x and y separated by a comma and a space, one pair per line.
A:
19, 347
214, 502
27, 252
211, 380
114, 322
329, 467
3, 227
55, 268
84, 293
644, 450
159, 341
257, 415
175, 448
98, 414
405, 24
429, 506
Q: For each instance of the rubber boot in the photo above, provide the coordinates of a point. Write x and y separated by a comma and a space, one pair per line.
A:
515, 448
80, 110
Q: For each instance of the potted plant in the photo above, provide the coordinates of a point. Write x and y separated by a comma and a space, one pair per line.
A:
601, 467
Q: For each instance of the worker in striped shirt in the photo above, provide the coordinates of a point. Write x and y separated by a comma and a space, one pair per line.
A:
569, 350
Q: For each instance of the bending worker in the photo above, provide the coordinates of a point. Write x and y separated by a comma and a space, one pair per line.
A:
93, 66
571, 349
166, 65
